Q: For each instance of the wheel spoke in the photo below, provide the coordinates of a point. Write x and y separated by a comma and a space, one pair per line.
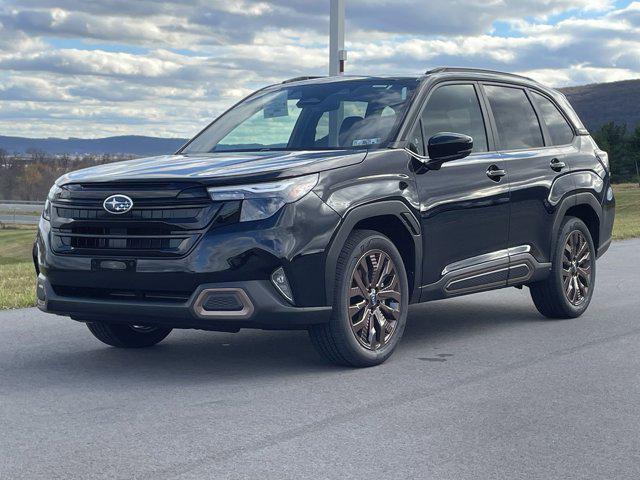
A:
584, 286
394, 312
353, 309
567, 248
584, 273
386, 272
569, 287
381, 323
576, 290
360, 324
357, 277
585, 258
584, 246
371, 339
389, 295
382, 262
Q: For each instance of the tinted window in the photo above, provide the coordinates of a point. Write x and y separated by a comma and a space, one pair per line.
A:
560, 131
455, 108
516, 120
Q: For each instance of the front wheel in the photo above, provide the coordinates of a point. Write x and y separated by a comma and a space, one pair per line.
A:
371, 297
127, 336
567, 292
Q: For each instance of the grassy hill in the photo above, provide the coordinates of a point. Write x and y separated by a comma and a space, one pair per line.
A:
126, 144
602, 103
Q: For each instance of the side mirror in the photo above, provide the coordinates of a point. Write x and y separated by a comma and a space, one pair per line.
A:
447, 146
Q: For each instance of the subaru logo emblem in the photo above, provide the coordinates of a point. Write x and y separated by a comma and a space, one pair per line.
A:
118, 204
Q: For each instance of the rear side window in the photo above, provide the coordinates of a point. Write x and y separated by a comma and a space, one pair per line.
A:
456, 109
560, 131
515, 118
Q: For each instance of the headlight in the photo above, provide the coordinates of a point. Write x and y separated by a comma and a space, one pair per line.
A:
262, 200
54, 192
46, 213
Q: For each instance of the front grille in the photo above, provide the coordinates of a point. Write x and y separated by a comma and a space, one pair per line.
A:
163, 221
114, 294
136, 214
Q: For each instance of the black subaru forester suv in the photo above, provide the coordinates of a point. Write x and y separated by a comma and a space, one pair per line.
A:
331, 204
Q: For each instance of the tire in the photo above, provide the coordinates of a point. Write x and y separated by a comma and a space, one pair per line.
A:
557, 296
337, 341
127, 336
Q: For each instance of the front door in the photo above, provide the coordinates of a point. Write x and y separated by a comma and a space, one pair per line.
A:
464, 205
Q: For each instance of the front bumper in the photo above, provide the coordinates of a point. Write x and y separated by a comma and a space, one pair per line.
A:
267, 310
239, 256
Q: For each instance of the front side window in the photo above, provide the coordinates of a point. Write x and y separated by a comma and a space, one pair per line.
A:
455, 109
349, 114
559, 130
515, 118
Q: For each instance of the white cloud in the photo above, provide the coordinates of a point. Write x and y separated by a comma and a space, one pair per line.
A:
85, 68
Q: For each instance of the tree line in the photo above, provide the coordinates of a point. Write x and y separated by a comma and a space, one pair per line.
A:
623, 148
29, 176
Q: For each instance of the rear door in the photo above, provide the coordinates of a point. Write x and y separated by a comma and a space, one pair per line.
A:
529, 147
465, 204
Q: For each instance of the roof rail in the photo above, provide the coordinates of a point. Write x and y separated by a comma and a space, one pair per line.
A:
473, 70
300, 79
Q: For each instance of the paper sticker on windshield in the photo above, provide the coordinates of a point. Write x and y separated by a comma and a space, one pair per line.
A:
363, 142
277, 107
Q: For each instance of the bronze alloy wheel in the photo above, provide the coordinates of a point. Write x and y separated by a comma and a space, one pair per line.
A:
576, 268
374, 299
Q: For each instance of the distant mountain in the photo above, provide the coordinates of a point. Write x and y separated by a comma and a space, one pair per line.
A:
596, 104
128, 144
602, 103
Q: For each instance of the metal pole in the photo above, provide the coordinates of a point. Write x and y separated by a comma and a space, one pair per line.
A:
337, 57
337, 53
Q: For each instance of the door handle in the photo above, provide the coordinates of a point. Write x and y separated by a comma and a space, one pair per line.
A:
557, 165
495, 173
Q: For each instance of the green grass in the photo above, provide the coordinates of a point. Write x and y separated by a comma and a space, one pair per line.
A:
627, 224
17, 276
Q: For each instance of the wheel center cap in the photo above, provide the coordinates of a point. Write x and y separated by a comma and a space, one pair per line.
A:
373, 296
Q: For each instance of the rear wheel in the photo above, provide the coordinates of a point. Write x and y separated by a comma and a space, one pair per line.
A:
128, 336
567, 292
370, 303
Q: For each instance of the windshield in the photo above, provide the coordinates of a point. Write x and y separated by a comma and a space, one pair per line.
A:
319, 116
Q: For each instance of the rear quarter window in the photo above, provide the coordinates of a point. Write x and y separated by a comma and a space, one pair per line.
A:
516, 120
559, 129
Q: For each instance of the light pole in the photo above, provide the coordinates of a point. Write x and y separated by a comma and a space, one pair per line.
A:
337, 53
337, 57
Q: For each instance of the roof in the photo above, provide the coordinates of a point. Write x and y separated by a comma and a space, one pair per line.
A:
447, 71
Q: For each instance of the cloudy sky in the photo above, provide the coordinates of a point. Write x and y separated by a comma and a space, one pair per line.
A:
92, 68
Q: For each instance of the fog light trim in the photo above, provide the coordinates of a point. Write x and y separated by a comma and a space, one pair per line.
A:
280, 281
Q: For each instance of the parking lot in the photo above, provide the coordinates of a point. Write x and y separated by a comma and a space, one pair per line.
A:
480, 387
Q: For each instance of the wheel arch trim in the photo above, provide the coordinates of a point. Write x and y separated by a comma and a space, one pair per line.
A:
573, 200
357, 214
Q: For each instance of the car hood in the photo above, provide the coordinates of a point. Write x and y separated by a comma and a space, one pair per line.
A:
216, 168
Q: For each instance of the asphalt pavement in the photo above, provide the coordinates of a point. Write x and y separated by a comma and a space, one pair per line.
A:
481, 387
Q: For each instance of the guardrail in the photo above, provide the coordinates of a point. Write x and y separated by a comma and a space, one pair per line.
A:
20, 212
21, 202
